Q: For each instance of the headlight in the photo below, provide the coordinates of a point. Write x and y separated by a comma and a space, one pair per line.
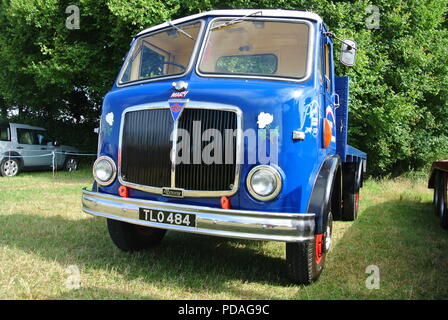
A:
104, 171
264, 183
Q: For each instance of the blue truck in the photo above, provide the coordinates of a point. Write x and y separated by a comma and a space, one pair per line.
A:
230, 123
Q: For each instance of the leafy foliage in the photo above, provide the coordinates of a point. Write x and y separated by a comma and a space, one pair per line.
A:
399, 96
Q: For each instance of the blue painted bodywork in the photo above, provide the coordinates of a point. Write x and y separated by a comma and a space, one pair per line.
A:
292, 104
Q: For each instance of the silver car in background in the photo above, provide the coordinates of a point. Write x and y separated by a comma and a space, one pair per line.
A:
24, 147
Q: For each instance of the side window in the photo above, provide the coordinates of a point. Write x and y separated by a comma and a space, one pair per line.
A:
319, 64
42, 138
25, 136
327, 57
5, 134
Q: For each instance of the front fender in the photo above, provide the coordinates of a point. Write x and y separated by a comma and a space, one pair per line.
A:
321, 195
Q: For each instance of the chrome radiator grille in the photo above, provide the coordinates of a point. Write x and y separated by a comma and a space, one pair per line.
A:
145, 161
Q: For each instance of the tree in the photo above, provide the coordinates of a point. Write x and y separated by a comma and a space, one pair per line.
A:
399, 100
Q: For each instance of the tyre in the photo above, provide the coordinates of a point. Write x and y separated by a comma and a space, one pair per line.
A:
351, 206
352, 183
441, 207
306, 260
131, 237
9, 167
435, 198
438, 181
444, 220
71, 164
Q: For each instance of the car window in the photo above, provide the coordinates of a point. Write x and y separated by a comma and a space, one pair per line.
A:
327, 65
26, 136
42, 138
5, 134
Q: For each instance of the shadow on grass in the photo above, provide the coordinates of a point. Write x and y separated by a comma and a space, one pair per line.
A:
186, 262
404, 239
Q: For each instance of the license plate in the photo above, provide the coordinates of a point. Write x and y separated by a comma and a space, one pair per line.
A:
166, 217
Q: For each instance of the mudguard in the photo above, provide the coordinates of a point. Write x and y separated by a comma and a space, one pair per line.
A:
322, 193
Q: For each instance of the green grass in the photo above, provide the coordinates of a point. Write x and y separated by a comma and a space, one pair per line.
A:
43, 231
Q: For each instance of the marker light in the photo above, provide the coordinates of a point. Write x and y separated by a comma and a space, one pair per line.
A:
327, 133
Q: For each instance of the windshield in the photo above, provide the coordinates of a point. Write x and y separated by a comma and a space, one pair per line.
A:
161, 54
257, 47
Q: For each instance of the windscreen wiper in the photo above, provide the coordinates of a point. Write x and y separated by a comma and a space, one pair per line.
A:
181, 31
236, 20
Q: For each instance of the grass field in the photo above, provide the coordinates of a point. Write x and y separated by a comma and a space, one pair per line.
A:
43, 231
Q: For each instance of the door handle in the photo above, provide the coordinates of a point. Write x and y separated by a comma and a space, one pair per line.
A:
19, 147
43, 148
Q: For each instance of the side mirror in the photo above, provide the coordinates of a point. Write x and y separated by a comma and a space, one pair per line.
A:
348, 52
56, 143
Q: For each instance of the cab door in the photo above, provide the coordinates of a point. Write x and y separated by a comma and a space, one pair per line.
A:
329, 118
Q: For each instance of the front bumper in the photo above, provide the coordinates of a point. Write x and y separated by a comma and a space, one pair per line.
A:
256, 225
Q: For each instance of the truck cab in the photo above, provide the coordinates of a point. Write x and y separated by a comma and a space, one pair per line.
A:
230, 123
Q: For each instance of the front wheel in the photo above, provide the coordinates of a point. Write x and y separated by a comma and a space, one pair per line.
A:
306, 260
131, 237
9, 167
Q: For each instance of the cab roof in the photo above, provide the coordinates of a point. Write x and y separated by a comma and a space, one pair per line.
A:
271, 13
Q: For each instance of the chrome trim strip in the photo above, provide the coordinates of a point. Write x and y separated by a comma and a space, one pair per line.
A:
310, 55
190, 105
196, 47
174, 153
256, 225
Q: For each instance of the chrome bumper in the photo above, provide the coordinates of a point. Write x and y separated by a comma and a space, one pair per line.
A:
273, 226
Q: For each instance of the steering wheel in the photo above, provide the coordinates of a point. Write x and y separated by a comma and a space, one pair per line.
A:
162, 63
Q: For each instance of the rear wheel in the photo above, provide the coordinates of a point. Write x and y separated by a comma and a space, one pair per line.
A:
444, 220
71, 164
351, 185
440, 192
436, 198
131, 237
306, 260
9, 167
351, 206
